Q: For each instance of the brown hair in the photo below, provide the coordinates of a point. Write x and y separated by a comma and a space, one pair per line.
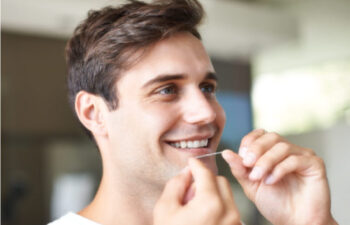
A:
102, 44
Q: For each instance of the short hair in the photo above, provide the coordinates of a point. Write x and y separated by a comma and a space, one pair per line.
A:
101, 45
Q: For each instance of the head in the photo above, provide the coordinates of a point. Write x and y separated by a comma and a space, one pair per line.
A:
142, 84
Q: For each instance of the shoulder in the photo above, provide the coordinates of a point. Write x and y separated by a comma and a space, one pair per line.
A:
73, 219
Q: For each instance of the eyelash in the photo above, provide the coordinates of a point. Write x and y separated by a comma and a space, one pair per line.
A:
208, 85
172, 86
172, 90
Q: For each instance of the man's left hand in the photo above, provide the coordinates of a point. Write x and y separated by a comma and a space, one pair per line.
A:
287, 183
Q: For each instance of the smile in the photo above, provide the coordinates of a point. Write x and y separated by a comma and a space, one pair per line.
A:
191, 144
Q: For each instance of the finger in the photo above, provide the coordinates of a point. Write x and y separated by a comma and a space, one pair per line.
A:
225, 190
270, 159
239, 171
175, 190
189, 194
259, 146
249, 138
228, 200
300, 164
204, 179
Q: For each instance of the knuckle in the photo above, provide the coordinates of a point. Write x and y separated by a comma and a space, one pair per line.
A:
281, 168
320, 161
274, 136
256, 147
321, 164
308, 151
293, 159
249, 138
260, 131
284, 147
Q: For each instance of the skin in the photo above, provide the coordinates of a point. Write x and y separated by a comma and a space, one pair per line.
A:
212, 191
276, 174
288, 185
142, 183
133, 139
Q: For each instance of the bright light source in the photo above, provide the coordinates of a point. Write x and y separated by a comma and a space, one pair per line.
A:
302, 99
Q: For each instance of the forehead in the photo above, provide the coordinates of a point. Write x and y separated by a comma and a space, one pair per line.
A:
180, 54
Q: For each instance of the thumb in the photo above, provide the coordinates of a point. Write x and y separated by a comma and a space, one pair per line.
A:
175, 190
204, 179
239, 171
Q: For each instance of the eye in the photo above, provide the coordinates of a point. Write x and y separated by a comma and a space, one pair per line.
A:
168, 90
208, 88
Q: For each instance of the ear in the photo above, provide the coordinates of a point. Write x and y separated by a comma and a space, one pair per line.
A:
90, 111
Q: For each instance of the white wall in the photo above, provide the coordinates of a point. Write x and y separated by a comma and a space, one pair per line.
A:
333, 145
323, 34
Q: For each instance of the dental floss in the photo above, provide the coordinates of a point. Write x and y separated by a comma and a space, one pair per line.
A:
209, 154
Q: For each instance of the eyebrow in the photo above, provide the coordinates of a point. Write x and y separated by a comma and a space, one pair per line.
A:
211, 76
166, 77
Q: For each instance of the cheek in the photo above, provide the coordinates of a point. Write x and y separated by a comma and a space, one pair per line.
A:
161, 118
220, 116
143, 121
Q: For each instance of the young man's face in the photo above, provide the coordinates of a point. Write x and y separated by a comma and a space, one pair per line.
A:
167, 111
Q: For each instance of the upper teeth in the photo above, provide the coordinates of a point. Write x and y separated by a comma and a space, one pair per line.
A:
190, 144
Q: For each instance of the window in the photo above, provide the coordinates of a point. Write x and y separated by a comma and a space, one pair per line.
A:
302, 99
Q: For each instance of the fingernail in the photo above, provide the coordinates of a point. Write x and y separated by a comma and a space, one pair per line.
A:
270, 179
249, 159
243, 151
256, 173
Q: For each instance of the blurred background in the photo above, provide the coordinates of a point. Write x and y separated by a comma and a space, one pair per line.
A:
284, 65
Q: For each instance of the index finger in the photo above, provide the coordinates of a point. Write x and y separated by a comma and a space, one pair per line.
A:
248, 139
204, 179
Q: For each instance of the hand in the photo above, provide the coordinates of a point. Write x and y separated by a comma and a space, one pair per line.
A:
212, 204
287, 183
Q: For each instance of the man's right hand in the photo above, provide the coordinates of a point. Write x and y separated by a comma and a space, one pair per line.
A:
212, 204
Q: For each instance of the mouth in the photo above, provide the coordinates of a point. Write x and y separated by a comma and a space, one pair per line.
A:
195, 146
190, 144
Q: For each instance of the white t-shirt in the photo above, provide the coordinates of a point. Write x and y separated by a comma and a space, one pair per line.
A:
73, 219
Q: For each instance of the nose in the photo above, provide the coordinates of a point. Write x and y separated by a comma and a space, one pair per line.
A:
198, 109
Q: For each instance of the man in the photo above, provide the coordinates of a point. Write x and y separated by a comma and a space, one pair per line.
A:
143, 86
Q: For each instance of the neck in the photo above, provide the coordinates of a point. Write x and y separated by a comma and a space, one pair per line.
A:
119, 202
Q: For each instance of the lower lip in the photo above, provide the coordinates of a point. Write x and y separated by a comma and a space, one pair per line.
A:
193, 151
